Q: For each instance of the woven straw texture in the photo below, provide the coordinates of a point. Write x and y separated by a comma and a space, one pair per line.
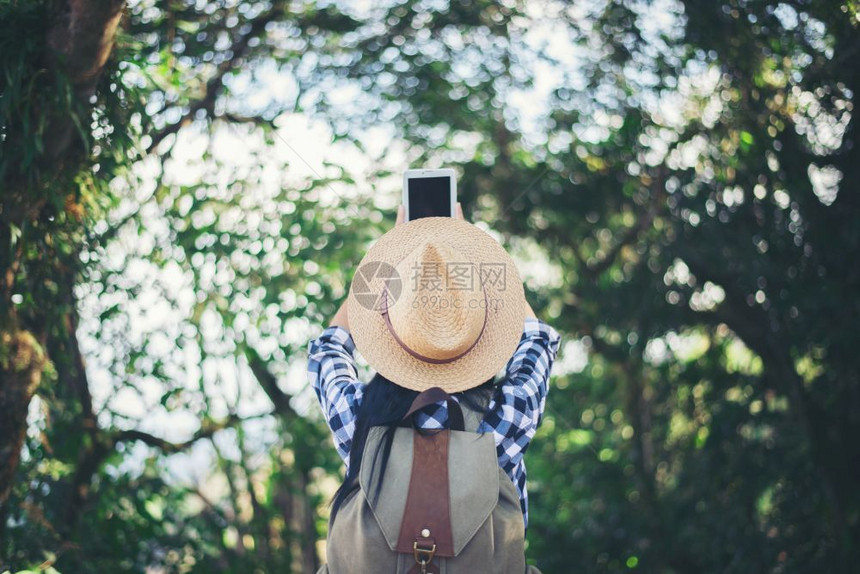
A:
504, 322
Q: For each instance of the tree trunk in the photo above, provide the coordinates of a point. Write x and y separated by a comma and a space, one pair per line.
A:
22, 360
78, 44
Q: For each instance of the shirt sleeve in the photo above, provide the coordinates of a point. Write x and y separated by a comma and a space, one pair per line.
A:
332, 375
516, 409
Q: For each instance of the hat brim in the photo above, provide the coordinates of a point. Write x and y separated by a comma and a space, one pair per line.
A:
506, 306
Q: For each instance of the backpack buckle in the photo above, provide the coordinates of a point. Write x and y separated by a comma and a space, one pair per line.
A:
423, 556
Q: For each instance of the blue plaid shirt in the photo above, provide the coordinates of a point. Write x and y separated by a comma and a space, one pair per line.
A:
515, 411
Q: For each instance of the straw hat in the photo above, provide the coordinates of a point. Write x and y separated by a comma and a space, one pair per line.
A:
436, 302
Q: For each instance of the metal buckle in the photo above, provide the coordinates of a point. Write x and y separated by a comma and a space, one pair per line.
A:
422, 552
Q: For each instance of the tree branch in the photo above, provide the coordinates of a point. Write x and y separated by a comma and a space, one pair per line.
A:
269, 384
81, 40
240, 49
207, 430
632, 234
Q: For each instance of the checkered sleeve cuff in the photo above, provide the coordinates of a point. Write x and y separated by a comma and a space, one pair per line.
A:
333, 377
333, 337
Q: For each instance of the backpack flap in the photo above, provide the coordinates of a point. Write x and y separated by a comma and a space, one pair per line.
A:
473, 478
473, 471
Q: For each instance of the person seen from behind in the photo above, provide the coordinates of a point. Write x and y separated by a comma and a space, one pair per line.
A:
433, 444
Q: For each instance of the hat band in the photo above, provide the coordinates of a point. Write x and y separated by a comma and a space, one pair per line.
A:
386, 293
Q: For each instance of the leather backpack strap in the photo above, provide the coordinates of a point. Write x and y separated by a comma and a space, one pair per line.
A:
425, 531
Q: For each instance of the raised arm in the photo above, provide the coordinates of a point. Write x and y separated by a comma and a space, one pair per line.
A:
341, 318
333, 377
516, 409
530, 312
517, 406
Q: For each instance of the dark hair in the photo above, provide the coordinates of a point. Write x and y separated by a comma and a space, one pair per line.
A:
384, 404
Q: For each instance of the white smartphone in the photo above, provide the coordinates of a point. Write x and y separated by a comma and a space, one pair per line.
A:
429, 193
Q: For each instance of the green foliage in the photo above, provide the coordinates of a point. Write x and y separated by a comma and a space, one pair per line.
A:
749, 472
24, 96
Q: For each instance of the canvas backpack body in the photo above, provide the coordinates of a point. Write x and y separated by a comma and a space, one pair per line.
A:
413, 526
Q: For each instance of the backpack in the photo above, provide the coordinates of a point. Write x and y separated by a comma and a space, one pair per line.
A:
445, 506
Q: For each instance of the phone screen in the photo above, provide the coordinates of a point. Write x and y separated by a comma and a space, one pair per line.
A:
429, 197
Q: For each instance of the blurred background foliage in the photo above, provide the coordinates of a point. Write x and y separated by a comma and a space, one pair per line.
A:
188, 186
